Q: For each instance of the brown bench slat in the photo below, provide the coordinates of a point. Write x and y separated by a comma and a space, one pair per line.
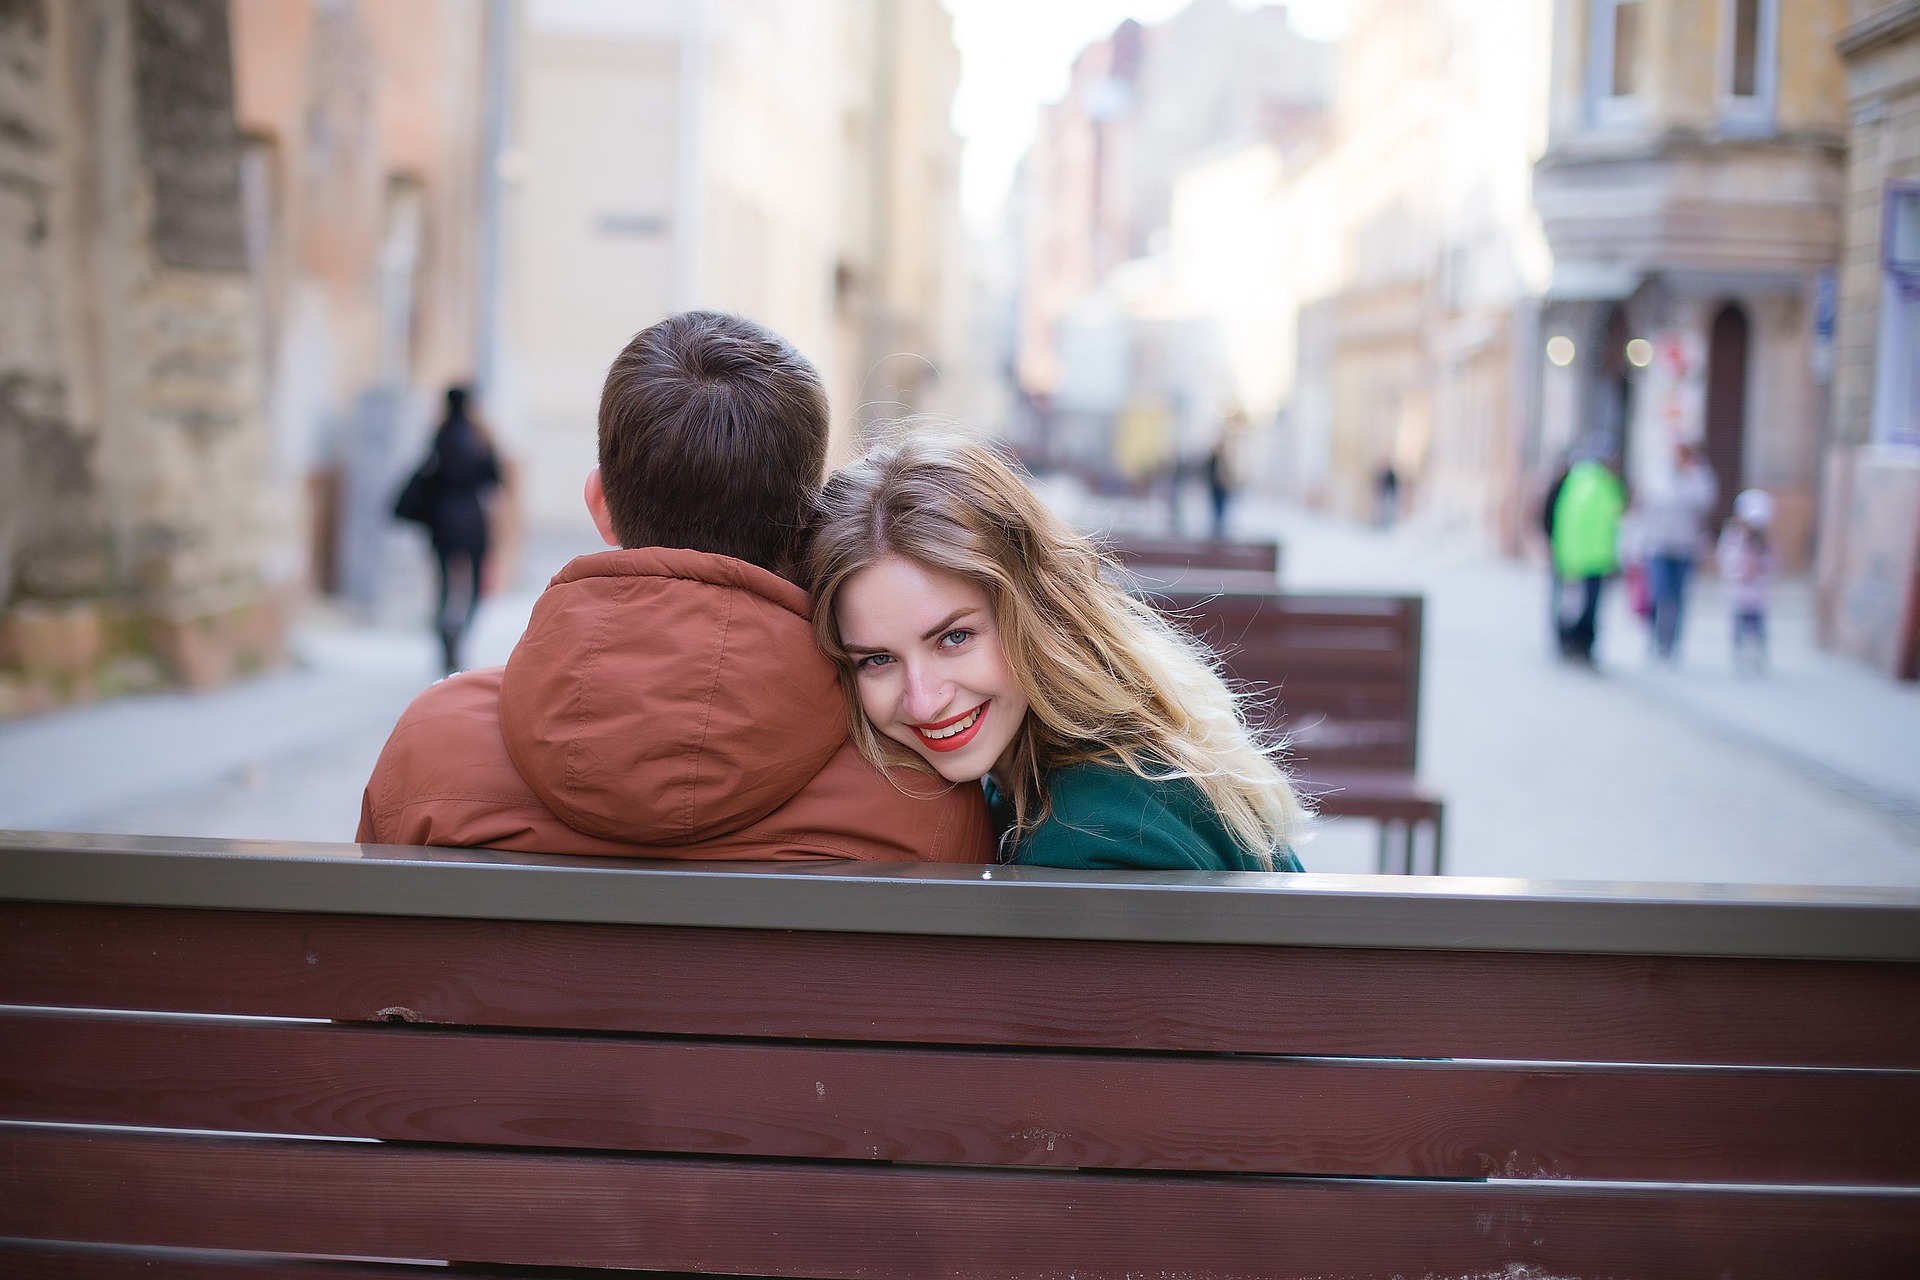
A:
1198, 553
44, 1261
1393, 797
767, 1218
1223, 1114
1008, 991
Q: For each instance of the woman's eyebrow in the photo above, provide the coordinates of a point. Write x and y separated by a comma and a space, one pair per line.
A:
946, 624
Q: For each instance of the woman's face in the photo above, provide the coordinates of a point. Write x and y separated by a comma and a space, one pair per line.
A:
929, 666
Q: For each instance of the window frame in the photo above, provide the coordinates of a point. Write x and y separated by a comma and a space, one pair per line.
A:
1749, 113
1896, 397
1606, 109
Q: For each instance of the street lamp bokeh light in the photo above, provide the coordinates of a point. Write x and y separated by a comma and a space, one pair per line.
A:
1639, 352
1560, 350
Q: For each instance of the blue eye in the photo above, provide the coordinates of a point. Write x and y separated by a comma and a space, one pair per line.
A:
948, 641
873, 660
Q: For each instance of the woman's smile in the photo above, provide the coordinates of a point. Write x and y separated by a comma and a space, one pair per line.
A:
951, 735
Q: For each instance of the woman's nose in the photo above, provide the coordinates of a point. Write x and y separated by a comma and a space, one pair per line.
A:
927, 695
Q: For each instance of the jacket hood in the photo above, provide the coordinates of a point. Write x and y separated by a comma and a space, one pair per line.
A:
663, 696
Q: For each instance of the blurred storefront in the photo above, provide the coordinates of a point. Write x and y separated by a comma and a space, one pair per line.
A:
1694, 208
1868, 574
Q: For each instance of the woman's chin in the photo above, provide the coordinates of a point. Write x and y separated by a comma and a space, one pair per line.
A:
954, 771
958, 766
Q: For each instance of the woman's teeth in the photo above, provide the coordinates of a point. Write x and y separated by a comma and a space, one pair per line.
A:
956, 728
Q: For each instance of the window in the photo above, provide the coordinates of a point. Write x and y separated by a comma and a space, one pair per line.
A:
1615, 74
1896, 400
1749, 61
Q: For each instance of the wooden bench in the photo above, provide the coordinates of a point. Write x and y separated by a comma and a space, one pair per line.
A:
1340, 675
1199, 563
300, 1061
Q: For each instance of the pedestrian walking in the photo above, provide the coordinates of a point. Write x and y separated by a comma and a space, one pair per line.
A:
1386, 496
1747, 567
447, 493
1219, 485
1586, 531
1673, 522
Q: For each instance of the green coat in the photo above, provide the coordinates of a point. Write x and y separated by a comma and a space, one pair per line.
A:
1586, 522
1107, 818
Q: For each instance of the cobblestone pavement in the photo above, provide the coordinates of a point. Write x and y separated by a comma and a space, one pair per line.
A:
1809, 775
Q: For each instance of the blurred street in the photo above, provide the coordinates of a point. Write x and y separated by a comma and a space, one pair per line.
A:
1635, 773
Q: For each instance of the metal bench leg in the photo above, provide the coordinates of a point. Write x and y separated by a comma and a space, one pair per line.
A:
1381, 828
1410, 830
1439, 842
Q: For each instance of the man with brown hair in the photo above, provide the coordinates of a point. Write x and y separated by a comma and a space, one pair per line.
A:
667, 699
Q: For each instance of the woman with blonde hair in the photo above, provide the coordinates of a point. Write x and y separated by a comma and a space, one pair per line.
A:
980, 638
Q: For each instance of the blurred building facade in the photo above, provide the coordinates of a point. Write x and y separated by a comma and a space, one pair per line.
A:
1117, 371
139, 542
1694, 208
789, 161
1416, 359
1868, 574
363, 176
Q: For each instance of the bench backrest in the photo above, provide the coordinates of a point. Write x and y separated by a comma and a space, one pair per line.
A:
884, 1072
1198, 553
1339, 674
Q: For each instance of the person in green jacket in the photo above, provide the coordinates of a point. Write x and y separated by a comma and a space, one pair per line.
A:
1586, 536
982, 640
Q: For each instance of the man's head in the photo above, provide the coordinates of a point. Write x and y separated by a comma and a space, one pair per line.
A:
713, 436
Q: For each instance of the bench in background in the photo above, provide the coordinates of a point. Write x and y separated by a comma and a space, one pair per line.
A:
1340, 676
867, 1071
1199, 563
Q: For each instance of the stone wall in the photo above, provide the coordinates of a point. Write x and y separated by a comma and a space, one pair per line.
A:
132, 438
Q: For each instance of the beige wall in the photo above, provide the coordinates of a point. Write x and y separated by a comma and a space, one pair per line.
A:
791, 162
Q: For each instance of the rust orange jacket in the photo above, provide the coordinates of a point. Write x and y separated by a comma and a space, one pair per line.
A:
662, 704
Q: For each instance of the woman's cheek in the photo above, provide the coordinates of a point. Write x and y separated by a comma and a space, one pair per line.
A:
873, 697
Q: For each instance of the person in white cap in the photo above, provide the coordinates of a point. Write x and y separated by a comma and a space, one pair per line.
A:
1747, 566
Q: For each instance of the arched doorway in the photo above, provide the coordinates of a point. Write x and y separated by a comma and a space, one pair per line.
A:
1727, 404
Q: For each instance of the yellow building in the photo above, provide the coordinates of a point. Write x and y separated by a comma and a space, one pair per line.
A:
1692, 193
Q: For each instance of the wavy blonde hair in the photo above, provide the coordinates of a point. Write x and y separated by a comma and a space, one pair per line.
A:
1106, 678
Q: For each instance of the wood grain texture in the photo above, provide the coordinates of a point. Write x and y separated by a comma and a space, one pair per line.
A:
998, 991
1223, 1114
34, 1260
804, 1219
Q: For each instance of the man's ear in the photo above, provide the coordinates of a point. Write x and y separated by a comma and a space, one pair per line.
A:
597, 508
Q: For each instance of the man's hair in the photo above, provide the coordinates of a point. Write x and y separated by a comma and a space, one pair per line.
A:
713, 436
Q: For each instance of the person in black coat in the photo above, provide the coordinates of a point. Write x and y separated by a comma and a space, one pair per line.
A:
464, 471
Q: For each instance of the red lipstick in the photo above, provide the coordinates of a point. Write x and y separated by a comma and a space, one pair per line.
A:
958, 740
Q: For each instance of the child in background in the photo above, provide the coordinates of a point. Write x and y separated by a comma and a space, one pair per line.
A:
1747, 566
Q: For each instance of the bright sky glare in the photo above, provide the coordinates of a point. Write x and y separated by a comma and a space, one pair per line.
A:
1015, 56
